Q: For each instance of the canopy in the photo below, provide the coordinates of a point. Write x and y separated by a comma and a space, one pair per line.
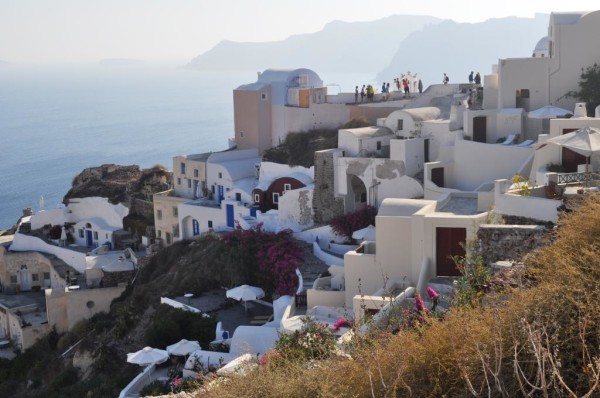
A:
549, 112
585, 141
367, 233
147, 356
245, 293
183, 347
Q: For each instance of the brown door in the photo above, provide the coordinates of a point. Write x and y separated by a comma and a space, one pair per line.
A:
570, 159
449, 243
437, 176
304, 98
480, 129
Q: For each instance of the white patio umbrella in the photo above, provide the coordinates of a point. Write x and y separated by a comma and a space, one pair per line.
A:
147, 356
245, 293
585, 141
367, 233
183, 347
548, 112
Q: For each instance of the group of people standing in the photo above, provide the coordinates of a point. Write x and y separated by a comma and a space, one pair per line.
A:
476, 79
369, 91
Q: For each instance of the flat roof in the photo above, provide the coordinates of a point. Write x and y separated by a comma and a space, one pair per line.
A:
459, 206
110, 262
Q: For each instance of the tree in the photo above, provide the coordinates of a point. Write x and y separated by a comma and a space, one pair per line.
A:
589, 87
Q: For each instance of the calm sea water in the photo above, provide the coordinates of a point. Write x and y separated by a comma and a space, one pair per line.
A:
54, 122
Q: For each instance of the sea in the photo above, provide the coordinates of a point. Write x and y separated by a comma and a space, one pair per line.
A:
57, 121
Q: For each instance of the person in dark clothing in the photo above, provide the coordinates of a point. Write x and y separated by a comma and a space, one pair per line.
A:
362, 93
471, 78
420, 86
356, 95
446, 79
477, 78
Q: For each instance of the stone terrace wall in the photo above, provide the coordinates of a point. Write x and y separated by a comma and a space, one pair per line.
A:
325, 204
510, 242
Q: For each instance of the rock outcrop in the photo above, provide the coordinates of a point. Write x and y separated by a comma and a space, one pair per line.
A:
120, 184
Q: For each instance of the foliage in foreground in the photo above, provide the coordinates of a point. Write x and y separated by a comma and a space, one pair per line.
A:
542, 341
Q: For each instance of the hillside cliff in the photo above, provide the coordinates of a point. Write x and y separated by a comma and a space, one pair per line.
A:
120, 184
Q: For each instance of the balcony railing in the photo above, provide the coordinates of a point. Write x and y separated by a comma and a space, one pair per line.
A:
577, 178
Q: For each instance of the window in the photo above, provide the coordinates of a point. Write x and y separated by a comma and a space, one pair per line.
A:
195, 227
287, 187
46, 276
379, 145
182, 168
275, 197
175, 212
212, 188
81, 233
159, 233
13, 279
159, 214
35, 277
256, 198
189, 183
196, 173
303, 80
168, 236
220, 175
238, 196
264, 96
95, 235
400, 124
241, 134
178, 181
210, 224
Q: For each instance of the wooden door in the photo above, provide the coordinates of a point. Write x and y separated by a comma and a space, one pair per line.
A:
570, 159
437, 176
449, 242
480, 129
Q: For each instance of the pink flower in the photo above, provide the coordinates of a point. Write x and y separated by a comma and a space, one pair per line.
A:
432, 293
419, 303
341, 323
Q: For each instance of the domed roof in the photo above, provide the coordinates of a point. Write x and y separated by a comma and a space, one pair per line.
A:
542, 44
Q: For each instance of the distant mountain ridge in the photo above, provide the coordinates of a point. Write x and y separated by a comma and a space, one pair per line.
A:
459, 48
388, 47
338, 47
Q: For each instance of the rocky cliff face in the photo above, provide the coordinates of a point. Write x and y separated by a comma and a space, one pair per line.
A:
120, 184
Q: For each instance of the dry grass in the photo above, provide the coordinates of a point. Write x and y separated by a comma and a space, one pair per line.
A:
542, 341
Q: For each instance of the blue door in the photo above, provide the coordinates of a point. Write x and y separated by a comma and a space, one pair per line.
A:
221, 194
195, 228
253, 211
230, 216
88, 238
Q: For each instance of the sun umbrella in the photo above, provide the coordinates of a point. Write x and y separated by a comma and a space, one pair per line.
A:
367, 233
147, 356
585, 141
548, 112
183, 347
245, 293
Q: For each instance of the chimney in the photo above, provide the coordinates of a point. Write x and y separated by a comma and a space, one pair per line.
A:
580, 110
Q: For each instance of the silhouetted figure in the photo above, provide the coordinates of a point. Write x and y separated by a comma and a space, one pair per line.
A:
420, 86
471, 78
446, 79
477, 78
356, 95
362, 93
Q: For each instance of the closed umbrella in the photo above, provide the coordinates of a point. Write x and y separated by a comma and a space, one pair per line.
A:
245, 293
183, 347
147, 356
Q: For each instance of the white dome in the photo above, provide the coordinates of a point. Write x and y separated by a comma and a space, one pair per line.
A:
541, 48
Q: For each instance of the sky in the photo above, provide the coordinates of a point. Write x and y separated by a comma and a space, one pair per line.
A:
45, 32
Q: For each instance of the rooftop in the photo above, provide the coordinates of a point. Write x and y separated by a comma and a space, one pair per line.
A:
465, 206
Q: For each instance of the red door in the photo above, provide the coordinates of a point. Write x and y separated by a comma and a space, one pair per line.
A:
449, 243
570, 159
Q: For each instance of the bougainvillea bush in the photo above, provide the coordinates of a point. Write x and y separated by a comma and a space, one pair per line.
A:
346, 224
270, 258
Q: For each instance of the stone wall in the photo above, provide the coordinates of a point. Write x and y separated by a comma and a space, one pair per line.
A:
142, 207
325, 204
509, 242
112, 279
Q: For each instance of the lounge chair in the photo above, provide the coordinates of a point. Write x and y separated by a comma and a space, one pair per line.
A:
509, 139
553, 190
525, 143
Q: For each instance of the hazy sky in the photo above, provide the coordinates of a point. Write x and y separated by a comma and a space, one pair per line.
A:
85, 31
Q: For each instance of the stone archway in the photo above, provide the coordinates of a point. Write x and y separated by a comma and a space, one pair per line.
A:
357, 193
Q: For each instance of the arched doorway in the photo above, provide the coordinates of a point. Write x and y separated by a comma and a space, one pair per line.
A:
357, 193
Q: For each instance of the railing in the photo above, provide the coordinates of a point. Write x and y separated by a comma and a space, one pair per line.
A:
568, 178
